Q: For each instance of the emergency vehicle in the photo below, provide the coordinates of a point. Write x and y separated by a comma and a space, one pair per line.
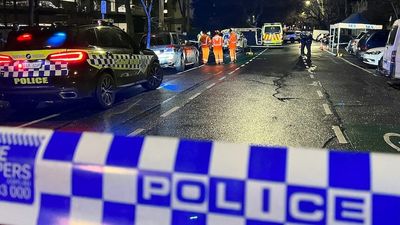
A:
272, 34
62, 63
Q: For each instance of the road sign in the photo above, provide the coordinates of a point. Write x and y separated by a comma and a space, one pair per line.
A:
103, 8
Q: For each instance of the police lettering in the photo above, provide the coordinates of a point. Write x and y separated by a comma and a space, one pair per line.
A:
31, 80
3, 153
262, 201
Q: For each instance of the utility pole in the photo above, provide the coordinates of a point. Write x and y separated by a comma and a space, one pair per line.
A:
31, 12
161, 14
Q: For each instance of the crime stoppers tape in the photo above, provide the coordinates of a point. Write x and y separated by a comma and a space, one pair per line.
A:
51, 177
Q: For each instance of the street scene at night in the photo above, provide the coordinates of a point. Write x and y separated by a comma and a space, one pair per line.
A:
199, 112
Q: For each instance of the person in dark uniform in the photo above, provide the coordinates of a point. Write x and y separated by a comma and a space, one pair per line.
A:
306, 42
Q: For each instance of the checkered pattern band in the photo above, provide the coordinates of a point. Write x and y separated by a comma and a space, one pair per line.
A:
120, 61
47, 69
94, 178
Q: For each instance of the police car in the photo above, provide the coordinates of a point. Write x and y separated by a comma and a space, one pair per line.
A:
73, 62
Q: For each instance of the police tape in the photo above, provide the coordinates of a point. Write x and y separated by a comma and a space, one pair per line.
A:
51, 177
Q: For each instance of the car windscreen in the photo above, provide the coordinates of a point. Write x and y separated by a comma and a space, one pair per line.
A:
289, 33
39, 39
272, 29
392, 35
160, 39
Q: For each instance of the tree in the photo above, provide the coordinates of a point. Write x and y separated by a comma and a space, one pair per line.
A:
130, 27
147, 6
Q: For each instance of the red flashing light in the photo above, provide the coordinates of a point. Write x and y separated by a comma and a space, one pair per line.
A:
5, 59
68, 57
24, 37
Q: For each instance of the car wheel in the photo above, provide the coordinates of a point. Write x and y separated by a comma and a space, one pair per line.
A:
180, 67
154, 77
23, 105
105, 91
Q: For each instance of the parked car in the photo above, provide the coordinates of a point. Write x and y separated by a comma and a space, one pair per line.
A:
47, 4
173, 50
352, 47
319, 34
373, 56
391, 57
344, 40
372, 39
291, 36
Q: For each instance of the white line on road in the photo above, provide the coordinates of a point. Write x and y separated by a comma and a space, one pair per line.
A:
359, 67
39, 120
211, 85
222, 78
242, 65
165, 101
136, 132
218, 73
328, 110
195, 96
230, 73
190, 69
339, 134
320, 94
312, 76
169, 112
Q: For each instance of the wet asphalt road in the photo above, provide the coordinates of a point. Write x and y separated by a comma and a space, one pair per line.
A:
267, 98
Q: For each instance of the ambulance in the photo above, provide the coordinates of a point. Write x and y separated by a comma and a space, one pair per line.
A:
272, 34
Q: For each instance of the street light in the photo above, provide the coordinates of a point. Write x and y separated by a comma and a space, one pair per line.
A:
308, 3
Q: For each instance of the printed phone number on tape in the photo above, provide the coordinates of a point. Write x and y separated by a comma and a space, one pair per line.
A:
17, 171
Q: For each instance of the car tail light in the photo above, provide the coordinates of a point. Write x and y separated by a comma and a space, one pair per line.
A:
68, 57
5, 59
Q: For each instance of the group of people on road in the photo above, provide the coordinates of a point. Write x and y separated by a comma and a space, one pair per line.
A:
216, 43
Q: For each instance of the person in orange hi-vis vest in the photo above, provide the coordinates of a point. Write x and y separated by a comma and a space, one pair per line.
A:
232, 43
217, 43
205, 42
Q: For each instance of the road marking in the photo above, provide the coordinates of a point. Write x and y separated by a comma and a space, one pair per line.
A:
232, 72
39, 120
312, 76
194, 68
211, 85
242, 65
357, 66
320, 94
136, 132
327, 109
165, 101
247, 63
387, 137
339, 135
218, 73
169, 112
222, 78
195, 96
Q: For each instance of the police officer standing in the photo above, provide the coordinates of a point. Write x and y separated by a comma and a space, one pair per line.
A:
306, 42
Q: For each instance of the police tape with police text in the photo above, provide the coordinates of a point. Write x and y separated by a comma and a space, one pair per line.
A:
99, 178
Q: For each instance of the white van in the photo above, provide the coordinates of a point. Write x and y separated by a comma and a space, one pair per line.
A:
272, 34
391, 57
317, 33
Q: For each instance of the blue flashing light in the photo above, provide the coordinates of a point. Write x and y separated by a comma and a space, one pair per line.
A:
57, 39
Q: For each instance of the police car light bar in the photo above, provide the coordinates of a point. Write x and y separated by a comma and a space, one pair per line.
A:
53, 177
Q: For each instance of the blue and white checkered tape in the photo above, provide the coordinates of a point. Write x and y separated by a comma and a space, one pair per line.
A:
90, 178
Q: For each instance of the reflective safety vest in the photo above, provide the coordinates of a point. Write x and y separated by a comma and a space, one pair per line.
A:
217, 41
205, 40
233, 39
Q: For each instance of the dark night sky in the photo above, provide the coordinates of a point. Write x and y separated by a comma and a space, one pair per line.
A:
216, 14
